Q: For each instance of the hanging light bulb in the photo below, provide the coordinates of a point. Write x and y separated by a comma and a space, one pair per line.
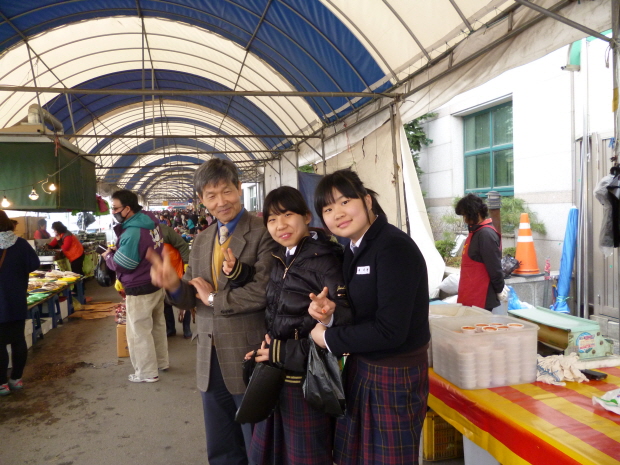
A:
33, 195
52, 187
5, 203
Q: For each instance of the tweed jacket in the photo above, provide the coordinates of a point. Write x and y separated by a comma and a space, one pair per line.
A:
236, 322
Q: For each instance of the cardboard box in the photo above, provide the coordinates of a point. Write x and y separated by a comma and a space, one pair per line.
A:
26, 226
64, 309
46, 325
122, 350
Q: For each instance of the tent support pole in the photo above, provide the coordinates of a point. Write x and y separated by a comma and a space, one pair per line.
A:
399, 222
323, 152
564, 20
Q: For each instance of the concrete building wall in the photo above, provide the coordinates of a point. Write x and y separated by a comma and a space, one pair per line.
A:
544, 177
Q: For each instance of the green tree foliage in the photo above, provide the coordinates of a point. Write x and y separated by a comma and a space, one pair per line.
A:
417, 138
306, 169
512, 207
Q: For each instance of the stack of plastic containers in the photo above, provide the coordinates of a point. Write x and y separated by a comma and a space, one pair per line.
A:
482, 351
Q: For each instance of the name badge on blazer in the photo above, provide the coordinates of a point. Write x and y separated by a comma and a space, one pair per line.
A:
363, 270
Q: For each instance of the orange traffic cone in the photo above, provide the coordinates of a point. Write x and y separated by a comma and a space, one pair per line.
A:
526, 254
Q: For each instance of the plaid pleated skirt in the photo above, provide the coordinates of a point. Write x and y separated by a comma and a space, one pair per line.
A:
296, 433
386, 408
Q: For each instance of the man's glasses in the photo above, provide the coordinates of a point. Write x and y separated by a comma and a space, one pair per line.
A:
117, 209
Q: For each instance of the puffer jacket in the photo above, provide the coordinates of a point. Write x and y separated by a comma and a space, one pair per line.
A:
317, 263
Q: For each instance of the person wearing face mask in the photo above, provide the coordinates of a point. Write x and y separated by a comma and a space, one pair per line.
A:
138, 231
70, 246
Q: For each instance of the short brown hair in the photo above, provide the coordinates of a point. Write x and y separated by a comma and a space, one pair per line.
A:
5, 223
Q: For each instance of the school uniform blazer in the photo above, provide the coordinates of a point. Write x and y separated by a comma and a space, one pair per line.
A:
236, 322
387, 285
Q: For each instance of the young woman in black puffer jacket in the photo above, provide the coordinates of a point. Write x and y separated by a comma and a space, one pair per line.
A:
307, 264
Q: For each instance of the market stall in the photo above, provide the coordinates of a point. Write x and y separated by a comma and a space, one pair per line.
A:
534, 423
45, 290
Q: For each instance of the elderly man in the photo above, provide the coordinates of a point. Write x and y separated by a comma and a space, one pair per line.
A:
231, 322
138, 232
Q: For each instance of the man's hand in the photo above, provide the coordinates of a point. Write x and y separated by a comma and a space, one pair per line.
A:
203, 288
262, 354
321, 308
107, 252
229, 261
162, 273
318, 335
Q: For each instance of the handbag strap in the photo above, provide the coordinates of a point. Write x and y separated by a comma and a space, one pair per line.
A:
2, 259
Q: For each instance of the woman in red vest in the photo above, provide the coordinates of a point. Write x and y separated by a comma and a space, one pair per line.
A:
70, 246
482, 279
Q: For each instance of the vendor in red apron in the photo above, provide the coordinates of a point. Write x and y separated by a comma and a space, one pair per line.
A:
482, 280
70, 246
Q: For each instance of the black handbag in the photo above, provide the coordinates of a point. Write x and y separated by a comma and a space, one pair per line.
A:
323, 387
261, 396
104, 276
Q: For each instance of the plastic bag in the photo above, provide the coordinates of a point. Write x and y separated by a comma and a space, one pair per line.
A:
323, 384
450, 285
509, 264
104, 276
609, 401
261, 396
513, 300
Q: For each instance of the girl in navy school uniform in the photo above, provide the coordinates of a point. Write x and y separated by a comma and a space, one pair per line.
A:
307, 265
386, 375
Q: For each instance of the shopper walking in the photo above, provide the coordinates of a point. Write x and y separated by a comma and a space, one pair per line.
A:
482, 279
178, 251
306, 263
17, 259
231, 322
70, 246
136, 232
386, 375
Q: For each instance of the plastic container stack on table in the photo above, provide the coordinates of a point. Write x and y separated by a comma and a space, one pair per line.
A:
444, 310
483, 360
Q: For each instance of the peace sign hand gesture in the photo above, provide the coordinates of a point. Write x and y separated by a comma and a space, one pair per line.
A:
229, 261
321, 308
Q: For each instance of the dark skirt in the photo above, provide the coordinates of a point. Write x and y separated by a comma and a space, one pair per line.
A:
296, 433
386, 408
12, 332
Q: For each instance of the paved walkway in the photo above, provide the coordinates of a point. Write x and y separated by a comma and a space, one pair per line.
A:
77, 407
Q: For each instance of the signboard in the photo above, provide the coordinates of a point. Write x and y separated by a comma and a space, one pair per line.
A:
164, 203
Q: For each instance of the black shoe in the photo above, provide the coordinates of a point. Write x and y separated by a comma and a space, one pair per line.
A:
171, 333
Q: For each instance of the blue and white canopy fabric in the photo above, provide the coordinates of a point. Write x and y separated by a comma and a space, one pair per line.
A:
342, 46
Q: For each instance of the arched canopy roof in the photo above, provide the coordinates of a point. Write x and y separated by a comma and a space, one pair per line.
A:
310, 46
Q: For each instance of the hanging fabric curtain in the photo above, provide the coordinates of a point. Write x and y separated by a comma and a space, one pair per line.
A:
566, 263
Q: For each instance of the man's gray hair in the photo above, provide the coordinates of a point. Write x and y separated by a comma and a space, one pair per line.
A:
213, 172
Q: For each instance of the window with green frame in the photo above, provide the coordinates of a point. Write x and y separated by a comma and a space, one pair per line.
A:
488, 151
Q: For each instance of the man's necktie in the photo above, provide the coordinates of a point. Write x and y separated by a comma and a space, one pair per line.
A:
223, 234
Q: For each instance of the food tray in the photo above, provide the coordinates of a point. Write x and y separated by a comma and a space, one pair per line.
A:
483, 360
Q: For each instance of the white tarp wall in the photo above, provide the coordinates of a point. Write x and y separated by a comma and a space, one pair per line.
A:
367, 149
281, 172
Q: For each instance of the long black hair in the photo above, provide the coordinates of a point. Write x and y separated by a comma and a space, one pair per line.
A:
470, 207
349, 184
283, 199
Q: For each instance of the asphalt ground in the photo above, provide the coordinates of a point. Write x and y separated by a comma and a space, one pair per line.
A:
78, 408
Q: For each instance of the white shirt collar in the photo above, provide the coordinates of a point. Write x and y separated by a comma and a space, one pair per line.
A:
356, 244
